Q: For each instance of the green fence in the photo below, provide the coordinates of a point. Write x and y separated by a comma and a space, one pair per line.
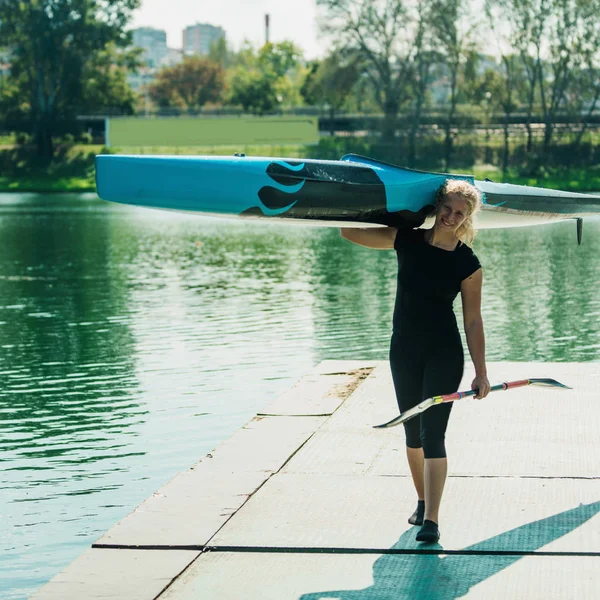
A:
211, 131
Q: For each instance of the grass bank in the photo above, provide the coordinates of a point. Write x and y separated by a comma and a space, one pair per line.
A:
72, 170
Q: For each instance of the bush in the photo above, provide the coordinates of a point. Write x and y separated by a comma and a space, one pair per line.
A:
22, 139
85, 137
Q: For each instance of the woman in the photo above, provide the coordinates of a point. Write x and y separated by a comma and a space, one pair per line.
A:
426, 354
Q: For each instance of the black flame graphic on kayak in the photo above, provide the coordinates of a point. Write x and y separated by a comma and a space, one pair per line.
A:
329, 191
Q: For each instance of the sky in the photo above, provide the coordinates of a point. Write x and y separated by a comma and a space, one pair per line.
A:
241, 19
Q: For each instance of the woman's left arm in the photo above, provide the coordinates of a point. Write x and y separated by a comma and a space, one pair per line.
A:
470, 290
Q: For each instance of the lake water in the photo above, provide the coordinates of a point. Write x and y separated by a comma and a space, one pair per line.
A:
134, 341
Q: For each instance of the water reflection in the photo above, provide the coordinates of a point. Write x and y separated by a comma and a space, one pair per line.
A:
541, 293
122, 327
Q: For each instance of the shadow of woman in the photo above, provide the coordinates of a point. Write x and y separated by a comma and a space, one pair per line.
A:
408, 571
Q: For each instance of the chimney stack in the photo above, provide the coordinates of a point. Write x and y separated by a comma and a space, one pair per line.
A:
267, 28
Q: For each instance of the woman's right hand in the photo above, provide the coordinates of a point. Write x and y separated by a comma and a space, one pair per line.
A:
482, 385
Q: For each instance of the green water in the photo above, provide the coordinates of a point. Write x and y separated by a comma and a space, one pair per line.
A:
133, 341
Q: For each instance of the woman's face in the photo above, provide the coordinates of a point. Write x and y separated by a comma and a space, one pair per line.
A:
451, 213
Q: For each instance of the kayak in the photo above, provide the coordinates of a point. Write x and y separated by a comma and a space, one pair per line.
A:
352, 192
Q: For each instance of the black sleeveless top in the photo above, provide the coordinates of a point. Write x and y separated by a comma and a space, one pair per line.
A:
429, 280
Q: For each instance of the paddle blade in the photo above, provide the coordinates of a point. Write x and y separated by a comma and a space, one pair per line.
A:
549, 383
407, 414
395, 421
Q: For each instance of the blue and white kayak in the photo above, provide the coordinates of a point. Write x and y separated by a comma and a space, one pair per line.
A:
354, 191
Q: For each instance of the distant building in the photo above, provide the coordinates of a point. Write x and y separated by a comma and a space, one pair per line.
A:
156, 56
198, 38
174, 57
154, 43
142, 78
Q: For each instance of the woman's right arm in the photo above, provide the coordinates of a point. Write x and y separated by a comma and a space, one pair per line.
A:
380, 238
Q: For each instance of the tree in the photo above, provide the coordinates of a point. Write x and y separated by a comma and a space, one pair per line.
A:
310, 90
510, 88
279, 58
190, 84
261, 82
255, 91
558, 42
452, 34
331, 81
383, 33
573, 58
53, 42
584, 94
528, 22
590, 63
220, 53
424, 59
105, 81
562, 32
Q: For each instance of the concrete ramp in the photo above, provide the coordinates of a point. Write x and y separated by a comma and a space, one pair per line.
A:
309, 502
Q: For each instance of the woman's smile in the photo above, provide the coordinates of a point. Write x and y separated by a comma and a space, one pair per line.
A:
452, 212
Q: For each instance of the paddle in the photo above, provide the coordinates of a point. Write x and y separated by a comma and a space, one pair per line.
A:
423, 406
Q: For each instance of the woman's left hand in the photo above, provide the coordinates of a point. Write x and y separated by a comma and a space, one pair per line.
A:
482, 384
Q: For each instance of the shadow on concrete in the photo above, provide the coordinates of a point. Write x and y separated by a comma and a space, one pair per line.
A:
432, 577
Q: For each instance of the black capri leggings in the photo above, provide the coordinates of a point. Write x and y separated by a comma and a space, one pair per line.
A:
423, 367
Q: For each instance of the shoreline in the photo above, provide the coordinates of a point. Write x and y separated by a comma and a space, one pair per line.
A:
74, 172
83, 185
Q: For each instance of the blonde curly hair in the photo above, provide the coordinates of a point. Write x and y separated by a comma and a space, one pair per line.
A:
466, 232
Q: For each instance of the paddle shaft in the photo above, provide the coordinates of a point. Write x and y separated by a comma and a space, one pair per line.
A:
423, 406
507, 385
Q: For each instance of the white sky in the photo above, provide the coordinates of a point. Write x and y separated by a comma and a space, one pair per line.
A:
241, 19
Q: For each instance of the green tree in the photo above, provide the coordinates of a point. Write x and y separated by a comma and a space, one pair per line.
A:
512, 87
13, 108
280, 58
558, 42
424, 59
383, 33
583, 95
190, 84
527, 25
449, 23
508, 91
220, 53
562, 31
53, 43
245, 56
255, 91
309, 90
105, 81
331, 81
573, 59
589, 66
262, 81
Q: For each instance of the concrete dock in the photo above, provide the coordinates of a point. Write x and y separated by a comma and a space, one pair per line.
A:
307, 501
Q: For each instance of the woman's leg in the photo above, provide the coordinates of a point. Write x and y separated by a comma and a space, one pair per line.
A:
416, 463
442, 375
435, 478
407, 375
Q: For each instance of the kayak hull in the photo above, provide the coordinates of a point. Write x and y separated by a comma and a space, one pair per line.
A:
354, 191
